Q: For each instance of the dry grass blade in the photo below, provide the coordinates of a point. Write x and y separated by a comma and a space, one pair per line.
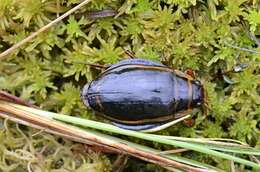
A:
10, 98
83, 136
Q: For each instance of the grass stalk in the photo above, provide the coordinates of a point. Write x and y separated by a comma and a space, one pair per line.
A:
144, 136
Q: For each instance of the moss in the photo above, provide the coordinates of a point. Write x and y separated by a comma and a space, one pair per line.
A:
26, 149
201, 35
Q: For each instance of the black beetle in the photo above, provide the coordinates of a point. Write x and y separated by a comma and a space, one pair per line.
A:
139, 94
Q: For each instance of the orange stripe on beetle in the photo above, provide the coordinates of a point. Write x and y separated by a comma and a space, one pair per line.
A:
159, 119
145, 67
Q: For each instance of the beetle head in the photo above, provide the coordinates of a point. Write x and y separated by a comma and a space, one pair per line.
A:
200, 96
197, 93
84, 95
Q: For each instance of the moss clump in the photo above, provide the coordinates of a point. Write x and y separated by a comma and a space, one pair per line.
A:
26, 149
202, 35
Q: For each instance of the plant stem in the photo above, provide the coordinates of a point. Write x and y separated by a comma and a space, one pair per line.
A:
150, 137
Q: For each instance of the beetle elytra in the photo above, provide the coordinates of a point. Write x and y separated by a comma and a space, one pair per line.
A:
143, 95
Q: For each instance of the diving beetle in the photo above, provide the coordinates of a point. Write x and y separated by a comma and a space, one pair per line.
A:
142, 95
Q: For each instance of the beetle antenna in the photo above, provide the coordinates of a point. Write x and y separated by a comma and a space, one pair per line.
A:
130, 53
99, 66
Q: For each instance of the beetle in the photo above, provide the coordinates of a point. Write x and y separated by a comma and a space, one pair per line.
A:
143, 95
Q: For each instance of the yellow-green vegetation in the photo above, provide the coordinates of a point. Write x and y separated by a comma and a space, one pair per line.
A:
26, 149
212, 37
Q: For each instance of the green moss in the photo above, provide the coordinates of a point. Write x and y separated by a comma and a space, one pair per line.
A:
201, 35
25, 149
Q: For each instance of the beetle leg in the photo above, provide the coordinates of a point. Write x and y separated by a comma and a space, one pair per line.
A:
130, 53
166, 125
148, 128
99, 66
188, 122
191, 73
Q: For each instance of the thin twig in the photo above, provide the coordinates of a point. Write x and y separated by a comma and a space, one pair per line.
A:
17, 45
243, 49
97, 14
11, 98
253, 38
250, 34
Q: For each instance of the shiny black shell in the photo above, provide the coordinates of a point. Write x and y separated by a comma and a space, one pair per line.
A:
139, 94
